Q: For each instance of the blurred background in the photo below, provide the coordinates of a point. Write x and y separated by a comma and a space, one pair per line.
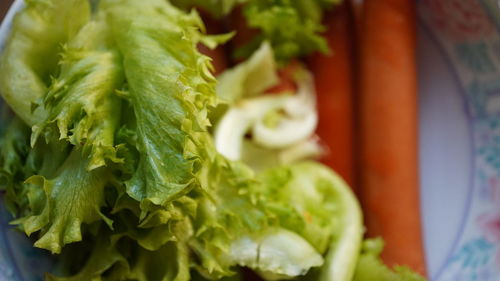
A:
4, 5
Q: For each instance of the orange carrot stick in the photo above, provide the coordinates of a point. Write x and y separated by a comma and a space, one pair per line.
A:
333, 77
357, 8
388, 130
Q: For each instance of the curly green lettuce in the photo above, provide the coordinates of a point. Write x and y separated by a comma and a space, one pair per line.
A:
293, 27
371, 268
217, 8
14, 147
81, 103
32, 51
60, 205
171, 88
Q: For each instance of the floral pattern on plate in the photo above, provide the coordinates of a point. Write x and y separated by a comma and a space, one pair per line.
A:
468, 33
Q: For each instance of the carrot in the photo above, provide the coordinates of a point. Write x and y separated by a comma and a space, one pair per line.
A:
388, 130
357, 8
333, 79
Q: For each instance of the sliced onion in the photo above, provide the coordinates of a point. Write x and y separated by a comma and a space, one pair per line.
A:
232, 128
297, 123
300, 121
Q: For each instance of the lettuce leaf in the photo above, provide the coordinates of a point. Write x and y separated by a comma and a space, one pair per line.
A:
283, 197
110, 259
31, 54
60, 205
14, 148
20, 161
170, 88
292, 27
229, 211
371, 268
217, 8
336, 227
104, 257
81, 103
169, 263
276, 254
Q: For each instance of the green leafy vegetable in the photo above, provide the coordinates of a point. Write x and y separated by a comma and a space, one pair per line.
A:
336, 226
14, 147
31, 54
104, 257
169, 263
276, 254
217, 8
231, 210
371, 268
171, 88
81, 102
73, 197
292, 26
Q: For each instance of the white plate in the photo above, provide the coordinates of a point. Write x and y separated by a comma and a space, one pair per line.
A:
459, 79
459, 68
